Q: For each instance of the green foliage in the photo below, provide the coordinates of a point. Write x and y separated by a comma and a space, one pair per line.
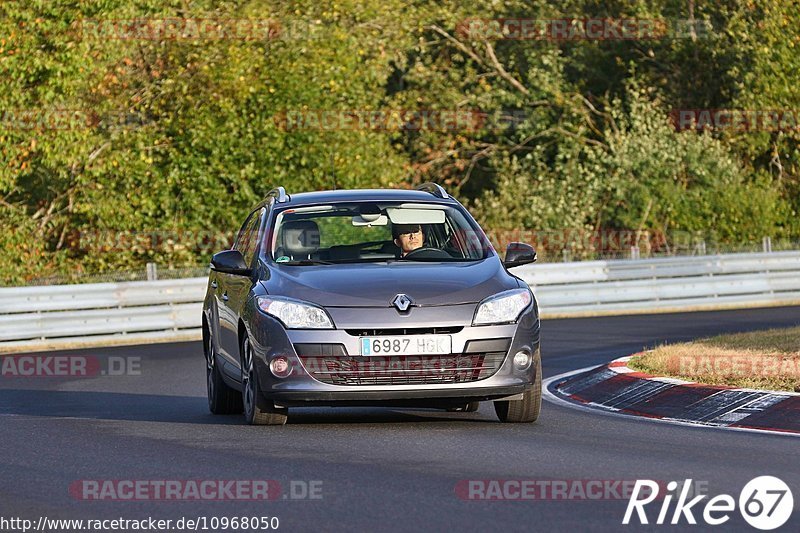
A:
182, 136
666, 180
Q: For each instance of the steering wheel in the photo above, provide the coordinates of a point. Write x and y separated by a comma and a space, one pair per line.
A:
428, 252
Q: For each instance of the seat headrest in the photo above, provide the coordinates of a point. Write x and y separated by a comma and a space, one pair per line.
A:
300, 237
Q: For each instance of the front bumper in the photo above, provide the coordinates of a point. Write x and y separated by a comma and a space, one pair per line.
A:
396, 397
270, 339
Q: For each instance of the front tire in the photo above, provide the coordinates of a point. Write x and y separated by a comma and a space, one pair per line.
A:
528, 408
222, 400
258, 411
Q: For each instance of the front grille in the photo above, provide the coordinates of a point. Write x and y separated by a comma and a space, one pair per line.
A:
319, 349
403, 370
442, 330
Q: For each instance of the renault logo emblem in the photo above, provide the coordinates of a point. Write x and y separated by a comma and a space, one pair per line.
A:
402, 302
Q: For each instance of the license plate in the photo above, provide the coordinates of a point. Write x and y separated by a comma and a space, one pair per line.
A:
406, 345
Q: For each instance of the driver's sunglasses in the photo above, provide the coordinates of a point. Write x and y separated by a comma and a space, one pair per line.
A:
411, 232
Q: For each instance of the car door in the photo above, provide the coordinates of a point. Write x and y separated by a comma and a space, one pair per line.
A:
232, 292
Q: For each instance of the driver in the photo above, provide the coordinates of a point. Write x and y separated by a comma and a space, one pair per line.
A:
407, 237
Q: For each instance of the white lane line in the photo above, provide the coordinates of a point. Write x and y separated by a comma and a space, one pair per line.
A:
606, 411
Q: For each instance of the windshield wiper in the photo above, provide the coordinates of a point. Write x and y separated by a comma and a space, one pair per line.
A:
431, 260
305, 262
364, 260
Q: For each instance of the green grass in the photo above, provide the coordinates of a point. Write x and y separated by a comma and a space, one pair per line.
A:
767, 360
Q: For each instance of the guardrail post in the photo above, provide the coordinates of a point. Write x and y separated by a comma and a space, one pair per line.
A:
635, 252
700, 247
152, 272
766, 243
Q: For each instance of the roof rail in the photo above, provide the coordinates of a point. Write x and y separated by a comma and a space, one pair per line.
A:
279, 193
433, 188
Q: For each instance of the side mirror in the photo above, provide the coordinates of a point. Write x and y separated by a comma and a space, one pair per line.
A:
230, 262
519, 253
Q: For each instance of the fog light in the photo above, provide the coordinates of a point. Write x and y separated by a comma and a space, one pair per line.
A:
522, 360
279, 366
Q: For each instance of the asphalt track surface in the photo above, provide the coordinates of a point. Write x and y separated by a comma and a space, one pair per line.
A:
382, 469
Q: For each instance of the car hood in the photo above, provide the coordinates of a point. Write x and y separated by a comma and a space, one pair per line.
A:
376, 284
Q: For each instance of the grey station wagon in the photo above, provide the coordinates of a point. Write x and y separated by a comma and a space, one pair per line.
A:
369, 297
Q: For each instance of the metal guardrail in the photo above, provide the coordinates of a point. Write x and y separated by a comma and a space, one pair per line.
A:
171, 308
80, 311
637, 286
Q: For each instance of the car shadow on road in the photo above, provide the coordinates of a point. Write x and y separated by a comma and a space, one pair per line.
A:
108, 406
194, 410
378, 415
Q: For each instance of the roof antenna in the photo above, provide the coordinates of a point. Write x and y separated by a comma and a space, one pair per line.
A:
333, 173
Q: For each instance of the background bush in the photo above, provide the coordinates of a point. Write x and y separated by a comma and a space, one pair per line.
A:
181, 137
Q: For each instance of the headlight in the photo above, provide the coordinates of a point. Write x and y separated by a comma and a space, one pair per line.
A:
295, 314
502, 308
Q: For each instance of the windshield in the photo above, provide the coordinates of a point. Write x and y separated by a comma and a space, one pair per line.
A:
375, 232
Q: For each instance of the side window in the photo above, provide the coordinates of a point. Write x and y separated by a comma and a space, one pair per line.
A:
247, 240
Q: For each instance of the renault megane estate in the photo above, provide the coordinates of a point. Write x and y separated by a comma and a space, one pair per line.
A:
369, 297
